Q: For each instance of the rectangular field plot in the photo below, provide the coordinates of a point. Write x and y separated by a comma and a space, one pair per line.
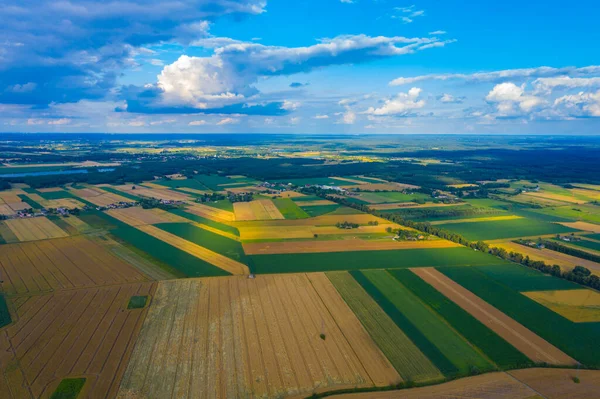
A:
257, 210
503, 354
49, 265
289, 209
137, 216
402, 258
505, 229
250, 338
71, 334
31, 229
521, 278
526, 341
410, 362
579, 306
448, 350
575, 339
230, 230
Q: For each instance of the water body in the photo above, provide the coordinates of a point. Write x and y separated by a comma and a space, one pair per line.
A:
52, 173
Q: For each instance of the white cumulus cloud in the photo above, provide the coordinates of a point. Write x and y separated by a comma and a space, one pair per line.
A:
401, 104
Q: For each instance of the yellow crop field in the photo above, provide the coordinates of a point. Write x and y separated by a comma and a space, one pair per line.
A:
475, 220
209, 212
137, 216
411, 205
292, 247
550, 257
554, 197
353, 181
98, 196
249, 338
579, 306
38, 228
294, 231
79, 224
223, 262
62, 203
158, 192
6, 210
64, 263
50, 189
323, 220
256, 210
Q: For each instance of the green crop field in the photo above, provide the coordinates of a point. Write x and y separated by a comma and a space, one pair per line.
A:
179, 260
503, 354
492, 230
572, 338
407, 359
221, 183
289, 209
69, 388
322, 181
448, 350
593, 245
225, 204
185, 183
5, 318
306, 198
593, 236
137, 301
57, 220
356, 260
521, 278
382, 197
318, 210
199, 219
30, 202
585, 213
207, 239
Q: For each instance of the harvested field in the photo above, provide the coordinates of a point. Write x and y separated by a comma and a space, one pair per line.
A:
6, 210
408, 360
583, 226
558, 383
283, 194
579, 306
161, 193
193, 190
476, 220
353, 181
256, 338
85, 332
550, 257
50, 189
78, 224
291, 247
49, 265
205, 254
216, 214
137, 216
555, 197
99, 197
18, 206
530, 344
62, 203
256, 210
31, 229
487, 386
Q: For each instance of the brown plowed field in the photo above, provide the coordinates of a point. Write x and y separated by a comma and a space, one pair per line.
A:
526, 341
487, 386
38, 228
236, 337
292, 247
216, 259
50, 265
558, 383
76, 333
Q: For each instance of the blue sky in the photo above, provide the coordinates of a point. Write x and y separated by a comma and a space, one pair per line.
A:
327, 66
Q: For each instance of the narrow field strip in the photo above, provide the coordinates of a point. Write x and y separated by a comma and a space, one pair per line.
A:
475, 220
526, 341
489, 343
206, 255
216, 214
409, 361
453, 355
291, 247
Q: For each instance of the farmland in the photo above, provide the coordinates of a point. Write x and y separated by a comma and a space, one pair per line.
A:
404, 258
493, 230
550, 326
258, 338
410, 362
192, 269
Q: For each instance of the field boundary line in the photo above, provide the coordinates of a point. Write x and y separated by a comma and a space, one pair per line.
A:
527, 385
